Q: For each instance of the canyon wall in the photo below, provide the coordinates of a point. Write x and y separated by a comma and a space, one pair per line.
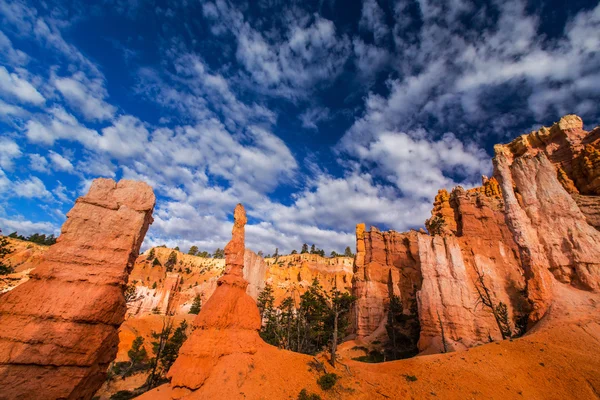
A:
533, 225
159, 291
58, 330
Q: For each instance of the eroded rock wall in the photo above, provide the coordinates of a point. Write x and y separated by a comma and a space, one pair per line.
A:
58, 331
530, 227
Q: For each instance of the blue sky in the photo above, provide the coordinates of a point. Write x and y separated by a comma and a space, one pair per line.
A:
314, 115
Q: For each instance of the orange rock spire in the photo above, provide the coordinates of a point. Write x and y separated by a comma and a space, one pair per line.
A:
228, 323
58, 331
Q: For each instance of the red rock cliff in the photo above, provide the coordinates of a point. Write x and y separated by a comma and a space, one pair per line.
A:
531, 226
58, 331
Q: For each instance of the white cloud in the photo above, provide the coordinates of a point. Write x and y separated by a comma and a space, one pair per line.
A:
60, 162
127, 137
5, 183
309, 53
8, 110
26, 227
61, 193
312, 116
9, 54
31, 188
59, 124
15, 87
38, 163
419, 167
86, 96
369, 59
372, 19
9, 150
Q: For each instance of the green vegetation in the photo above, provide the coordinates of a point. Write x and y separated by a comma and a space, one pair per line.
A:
348, 252
219, 253
196, 305
130, 293
435, 225
373, 357
151, 254
5, 250
327, 381
156, 263
402, 328
304, 395
171, 261
320, 320
410, 378
193, 250
165, 348
123, 395
138, 361
39, 238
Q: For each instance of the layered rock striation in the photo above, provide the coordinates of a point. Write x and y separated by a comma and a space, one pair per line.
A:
58, 331
533, 225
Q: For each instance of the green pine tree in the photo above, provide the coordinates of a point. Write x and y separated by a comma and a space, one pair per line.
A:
5, 250
171, 261
196, 305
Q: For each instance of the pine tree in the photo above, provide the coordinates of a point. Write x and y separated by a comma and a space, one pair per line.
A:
137, 354
196, 305
348, 252
158, 346
312, 249
171, 261
172, 346
219, 253
193, 250
151, 254
341, 303
5, 250
304, 249
313, 314
294, 252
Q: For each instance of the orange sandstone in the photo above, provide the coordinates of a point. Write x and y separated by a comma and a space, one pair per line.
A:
58, 331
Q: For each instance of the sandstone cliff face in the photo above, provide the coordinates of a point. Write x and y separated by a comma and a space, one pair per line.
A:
531, 226
58, 331
291, 275
555, 238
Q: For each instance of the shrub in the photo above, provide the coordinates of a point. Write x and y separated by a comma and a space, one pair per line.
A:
123, 395
410, 378
304, 395
327, 381
373, 357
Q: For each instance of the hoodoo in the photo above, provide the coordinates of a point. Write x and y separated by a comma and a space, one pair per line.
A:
58, 331
228, 323
225, 357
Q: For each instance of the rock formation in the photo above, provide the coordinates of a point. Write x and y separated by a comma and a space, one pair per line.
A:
255, 273
228, 323
291, 275
531, 226
58, 331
